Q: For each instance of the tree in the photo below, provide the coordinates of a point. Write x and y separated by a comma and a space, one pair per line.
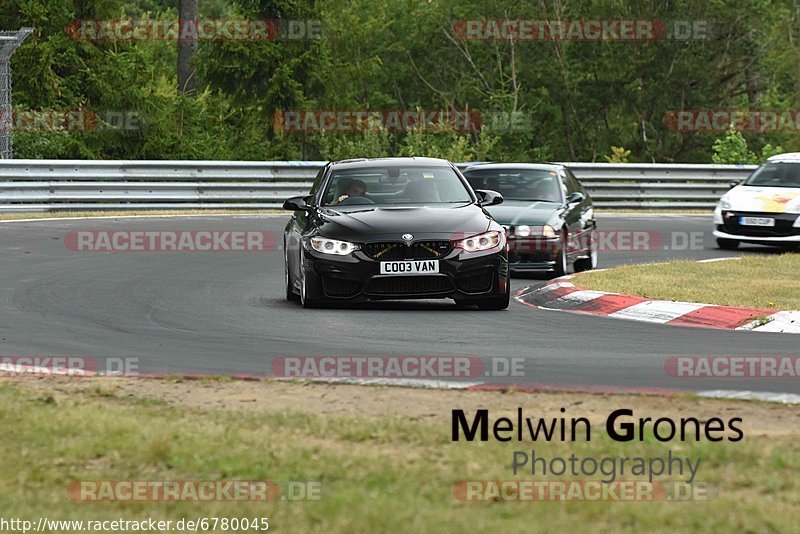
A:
187, 45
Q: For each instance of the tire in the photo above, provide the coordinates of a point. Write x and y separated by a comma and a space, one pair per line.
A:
587, 264
727, 244
287, 277
561, 264
309, 293
500, 302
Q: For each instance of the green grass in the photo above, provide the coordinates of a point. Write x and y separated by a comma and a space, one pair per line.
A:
771, 282
378, 474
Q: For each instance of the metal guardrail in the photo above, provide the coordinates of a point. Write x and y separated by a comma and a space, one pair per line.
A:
658, 185
58, 185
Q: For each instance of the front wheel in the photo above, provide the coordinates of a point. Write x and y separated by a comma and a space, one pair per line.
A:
287, 277
587, 264
560, 268
727, 244
499, 302
308, 290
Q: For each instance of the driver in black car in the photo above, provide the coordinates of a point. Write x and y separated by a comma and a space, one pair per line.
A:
355, 188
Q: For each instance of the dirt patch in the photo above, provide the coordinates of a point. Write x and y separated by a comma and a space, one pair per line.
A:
759, 418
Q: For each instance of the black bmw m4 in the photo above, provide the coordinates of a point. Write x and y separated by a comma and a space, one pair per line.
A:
395, 228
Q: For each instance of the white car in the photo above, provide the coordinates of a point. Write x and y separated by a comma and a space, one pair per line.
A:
764, 209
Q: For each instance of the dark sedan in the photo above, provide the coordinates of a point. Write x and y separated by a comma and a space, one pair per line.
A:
395, 228
548, 214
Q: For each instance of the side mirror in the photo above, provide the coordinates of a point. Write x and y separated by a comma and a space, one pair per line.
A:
576, 198
734, 183
487, 197
296, 204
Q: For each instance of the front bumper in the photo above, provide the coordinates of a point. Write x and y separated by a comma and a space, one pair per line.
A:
758, 240
533, 254
357, 278
784, 232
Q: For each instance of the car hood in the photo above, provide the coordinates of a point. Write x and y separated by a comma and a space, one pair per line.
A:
512, 212
360, 223
764, 199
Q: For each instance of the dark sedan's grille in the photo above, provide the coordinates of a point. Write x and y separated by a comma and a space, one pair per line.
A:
409, 285
479, 282
514, 257
421, 250
341, 284
783, 225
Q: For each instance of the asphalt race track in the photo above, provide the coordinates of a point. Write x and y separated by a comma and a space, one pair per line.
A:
224, 313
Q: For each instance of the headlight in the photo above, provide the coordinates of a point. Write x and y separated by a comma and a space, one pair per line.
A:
725, 204
718, 215
797, 222
332, 246
522, 231
548, 231
485, 241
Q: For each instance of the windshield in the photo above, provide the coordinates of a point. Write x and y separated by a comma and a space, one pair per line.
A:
395, 185
518, 184
776, 175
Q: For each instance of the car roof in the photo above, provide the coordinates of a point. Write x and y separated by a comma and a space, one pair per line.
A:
362, 163
793, 157
514, 166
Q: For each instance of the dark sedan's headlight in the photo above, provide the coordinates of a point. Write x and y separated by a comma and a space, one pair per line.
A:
549, 231
480, 242
524, 230
332, 246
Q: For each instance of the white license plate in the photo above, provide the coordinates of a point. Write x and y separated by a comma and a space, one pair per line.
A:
756, 221
410, 267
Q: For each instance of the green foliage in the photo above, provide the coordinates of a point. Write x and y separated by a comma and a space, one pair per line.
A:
581, 97
366, 144
732, 148
450, 145
618, 155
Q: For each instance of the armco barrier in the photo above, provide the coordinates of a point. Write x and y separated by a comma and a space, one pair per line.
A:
58, 185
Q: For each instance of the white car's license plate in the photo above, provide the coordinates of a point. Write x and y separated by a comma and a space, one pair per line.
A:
756, 221
410, 267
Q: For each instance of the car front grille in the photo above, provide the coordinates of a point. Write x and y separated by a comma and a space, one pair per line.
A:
420, 250
783, 225
409, 285
479, 282
516, 258
340, 284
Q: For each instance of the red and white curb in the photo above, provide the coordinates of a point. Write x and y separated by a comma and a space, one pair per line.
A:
562, 294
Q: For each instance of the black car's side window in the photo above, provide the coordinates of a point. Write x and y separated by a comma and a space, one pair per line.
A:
573, 185
317, 183
578, 186
564, 182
